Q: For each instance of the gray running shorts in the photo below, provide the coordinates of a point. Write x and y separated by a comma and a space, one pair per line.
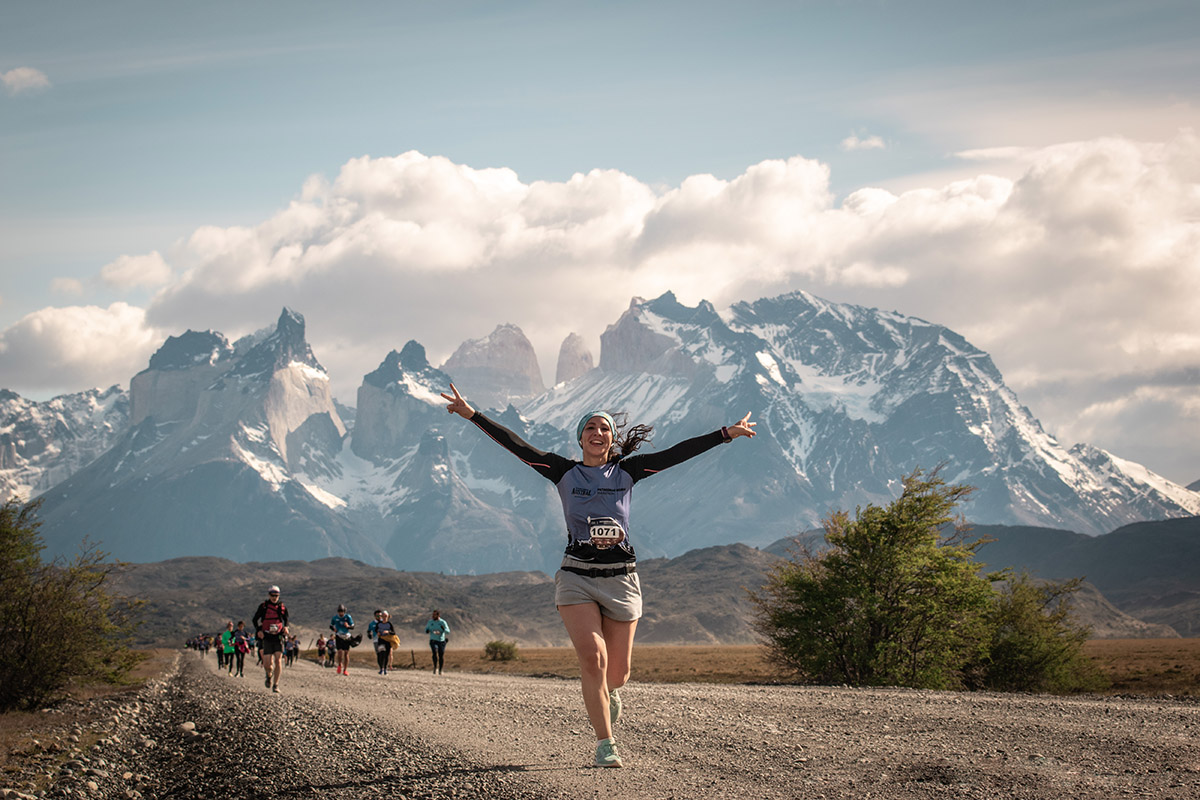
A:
619, 597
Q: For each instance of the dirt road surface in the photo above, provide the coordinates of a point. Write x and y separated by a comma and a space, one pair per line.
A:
411, 734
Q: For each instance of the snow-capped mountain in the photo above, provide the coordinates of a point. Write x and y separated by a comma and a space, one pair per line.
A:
222, 438
44, 443
848, 400
238, 450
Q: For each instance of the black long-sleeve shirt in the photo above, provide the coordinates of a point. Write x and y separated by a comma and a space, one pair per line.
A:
596, 497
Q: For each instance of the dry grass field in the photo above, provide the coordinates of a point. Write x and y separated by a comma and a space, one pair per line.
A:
1149, 666
1134, 666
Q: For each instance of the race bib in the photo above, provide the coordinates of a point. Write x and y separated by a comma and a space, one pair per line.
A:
604, 532
274, 627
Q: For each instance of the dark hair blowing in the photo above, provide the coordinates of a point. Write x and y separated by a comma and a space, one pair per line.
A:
626, 441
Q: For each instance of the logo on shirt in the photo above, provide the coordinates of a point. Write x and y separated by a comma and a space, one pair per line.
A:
579, 491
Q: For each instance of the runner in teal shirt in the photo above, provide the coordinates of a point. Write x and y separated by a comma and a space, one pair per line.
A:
439, 633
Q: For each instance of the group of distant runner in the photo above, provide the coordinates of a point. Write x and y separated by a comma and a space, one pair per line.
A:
277, 647
232, 645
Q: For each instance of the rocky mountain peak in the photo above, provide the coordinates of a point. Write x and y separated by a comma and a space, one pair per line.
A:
285, 345
574, 359
498, 370
645, 339
190, 349
398, 367
413, 358
398, 397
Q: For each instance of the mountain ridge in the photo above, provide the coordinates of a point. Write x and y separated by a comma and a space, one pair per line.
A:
848, 400
699, 597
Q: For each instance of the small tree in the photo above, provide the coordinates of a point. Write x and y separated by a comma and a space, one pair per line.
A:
1036, 645
57, 621
891, 602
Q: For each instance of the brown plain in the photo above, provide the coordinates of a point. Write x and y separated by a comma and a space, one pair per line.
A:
1134, 666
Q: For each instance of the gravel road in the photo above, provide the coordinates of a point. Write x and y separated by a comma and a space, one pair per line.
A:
412, 734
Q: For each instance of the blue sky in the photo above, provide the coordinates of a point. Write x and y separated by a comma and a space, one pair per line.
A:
1023, 172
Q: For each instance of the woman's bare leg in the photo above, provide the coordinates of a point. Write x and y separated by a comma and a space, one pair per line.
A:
604, 648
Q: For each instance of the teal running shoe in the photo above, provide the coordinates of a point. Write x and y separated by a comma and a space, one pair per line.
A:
606, 754
614, 706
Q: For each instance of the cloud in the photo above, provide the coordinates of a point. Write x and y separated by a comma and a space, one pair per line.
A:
67, 286
1083, 267
24, 79
127, 272
853, 142
76, 347
1083, 263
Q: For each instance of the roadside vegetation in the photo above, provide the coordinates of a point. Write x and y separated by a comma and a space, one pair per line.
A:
898, 599
59, 626
500, 650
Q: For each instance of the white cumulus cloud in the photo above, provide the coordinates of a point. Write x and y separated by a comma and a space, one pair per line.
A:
127, 272
76, 347
24, 79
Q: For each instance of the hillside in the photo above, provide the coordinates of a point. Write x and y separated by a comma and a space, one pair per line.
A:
697, 598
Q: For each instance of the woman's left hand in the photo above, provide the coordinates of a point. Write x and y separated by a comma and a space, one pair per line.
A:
743, 427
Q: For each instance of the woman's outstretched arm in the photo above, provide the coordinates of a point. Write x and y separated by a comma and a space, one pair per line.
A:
550, 465
643, 465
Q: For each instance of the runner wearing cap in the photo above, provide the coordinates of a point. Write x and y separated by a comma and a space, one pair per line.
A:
270, 628
597, 590
341, 625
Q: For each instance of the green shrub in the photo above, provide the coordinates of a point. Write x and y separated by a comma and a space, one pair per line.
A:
891, 602
58, 624
500, 651
895, 600
1036, 645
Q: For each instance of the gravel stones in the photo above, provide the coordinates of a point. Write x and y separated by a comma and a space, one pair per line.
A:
414, 736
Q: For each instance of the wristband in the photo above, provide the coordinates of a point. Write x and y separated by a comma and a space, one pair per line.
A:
725, 434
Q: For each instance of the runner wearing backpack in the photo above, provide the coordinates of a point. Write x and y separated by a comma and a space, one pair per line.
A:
385, 640
270, 627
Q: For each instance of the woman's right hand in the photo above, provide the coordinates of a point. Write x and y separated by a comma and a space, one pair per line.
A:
457, 404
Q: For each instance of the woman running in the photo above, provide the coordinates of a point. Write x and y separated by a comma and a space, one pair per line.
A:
596, 589
241, 646
385, 640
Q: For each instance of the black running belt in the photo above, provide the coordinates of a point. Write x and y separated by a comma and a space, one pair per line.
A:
628, 569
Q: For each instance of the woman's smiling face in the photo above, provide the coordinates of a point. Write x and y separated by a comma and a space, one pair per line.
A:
596, 441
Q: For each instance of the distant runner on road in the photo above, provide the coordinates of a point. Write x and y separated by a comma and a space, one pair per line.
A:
342, 624
385, 641
226, 648
596, 589
242, 642
439, 633
270, 627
